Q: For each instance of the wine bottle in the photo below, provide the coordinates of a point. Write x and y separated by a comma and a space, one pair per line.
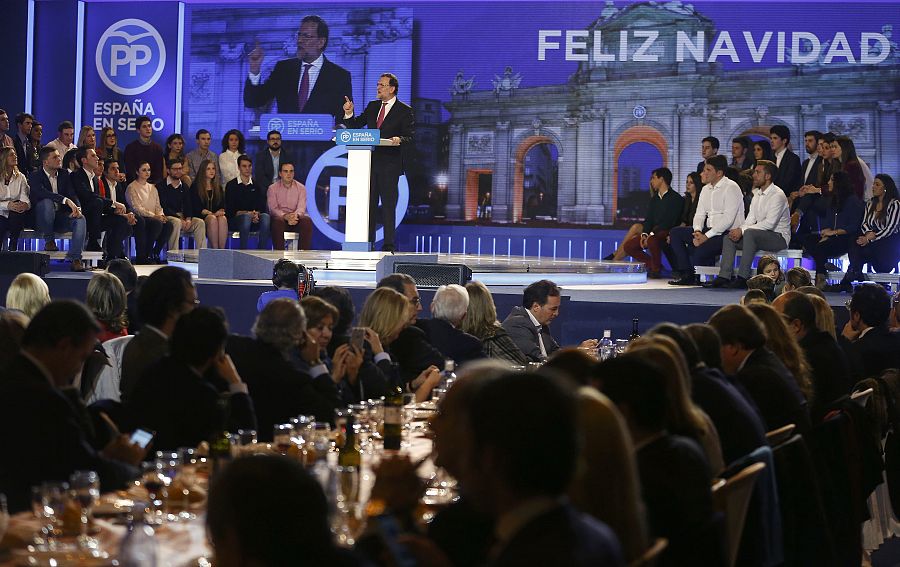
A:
349, 455
634, 330
393, 419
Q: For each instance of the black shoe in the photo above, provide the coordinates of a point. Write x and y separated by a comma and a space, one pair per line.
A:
687, 280
829, 267
718, 283
50, 246
389, 248
609, 257
737, 283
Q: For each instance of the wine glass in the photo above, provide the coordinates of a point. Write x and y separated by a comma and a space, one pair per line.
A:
84, 487
53, 496
187, 478
154, 483
281, 437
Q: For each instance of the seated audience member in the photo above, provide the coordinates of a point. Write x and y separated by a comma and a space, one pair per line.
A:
708, 345
287, 209
28, 293
357, 379
208, 203
174, 152
796, 277
838, 217
878, 238
144, 149
751, 364
871, 348
32, 158
179, 398
763, 283
683, 417
754, 296
22, 143
70, 160
201, 153
101, 212
514, 465
268, 161
767, 227
87, 138
386, 315
285, 278
789, 176
106, 301
824, 314
144, 200
166, 295
574, 363
341, 300
692, 189
829, 372
741, 158
233, 147
762, 150
782, 342
448, 310
674, 475
894, 319
709, 147
51, 443
56, 206
529, 325
267, 510
246, 206
481, 322
278, 388
12, 328
124, 270
843, 152
109, 178
719, 209
14, 202
175, 199
769, 265
64, 142
737, 421
410, 349
108, 147
662, 214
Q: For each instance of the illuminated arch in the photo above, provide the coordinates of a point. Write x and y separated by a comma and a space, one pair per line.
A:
633, 135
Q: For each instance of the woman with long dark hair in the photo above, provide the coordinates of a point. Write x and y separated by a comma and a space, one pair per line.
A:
693, 186
844, 150
878, 240
233, 146
762, 149
208, 203
838, 219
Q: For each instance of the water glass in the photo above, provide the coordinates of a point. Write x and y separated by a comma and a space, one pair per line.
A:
154, 482
281, 437
85, 490
246, 437
54, 497
621, 345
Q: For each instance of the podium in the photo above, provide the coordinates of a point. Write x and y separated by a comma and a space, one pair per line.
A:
360, 143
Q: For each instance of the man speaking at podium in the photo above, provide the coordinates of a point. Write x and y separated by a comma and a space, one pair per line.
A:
395, 120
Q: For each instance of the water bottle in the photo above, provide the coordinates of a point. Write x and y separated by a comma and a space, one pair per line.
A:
448, 376
606, 347
139, 548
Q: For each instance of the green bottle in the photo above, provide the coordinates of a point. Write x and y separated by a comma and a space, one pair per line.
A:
349, 455
393, 419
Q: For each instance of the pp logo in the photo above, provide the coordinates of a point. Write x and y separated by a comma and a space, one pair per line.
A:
276, 124
336, 157
345, 137
639, 111
130, 56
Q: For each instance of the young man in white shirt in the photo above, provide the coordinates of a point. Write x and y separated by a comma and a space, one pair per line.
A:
767, 227
720, 209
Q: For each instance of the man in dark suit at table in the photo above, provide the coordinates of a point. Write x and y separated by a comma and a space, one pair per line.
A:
396, 122
306, 84
101, 212
49, 442
448, 309
870, 346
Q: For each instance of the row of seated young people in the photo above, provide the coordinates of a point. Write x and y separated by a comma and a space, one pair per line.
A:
828, 206
684, 405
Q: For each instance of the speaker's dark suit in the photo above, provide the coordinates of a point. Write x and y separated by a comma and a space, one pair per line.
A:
789, 176
283, 84
100, 214
387, 162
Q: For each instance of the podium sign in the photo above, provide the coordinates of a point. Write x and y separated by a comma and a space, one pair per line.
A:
298, 127
358, 137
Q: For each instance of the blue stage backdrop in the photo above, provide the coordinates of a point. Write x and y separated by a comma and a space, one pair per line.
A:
131, 67
543, 113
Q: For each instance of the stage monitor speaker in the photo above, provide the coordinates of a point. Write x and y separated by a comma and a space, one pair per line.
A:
15, 263
435, 275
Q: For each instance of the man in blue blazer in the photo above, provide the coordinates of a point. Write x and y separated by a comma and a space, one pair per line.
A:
103, 214
56, 206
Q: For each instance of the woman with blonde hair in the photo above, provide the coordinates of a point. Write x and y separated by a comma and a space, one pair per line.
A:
106, 299
606, 482
783, 343
385, 314
28, 293
87, 138
481, 322
208, 203
682, 416
14, 202
824, 315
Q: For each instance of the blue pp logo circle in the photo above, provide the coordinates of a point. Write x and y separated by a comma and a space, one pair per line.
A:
337, 157
639, 111
276, 124
345, 137
130, 56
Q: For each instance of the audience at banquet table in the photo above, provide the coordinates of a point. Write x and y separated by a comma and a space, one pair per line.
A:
341, 300
443, 331
165, 296
784, 345
481, 322
870, 347
51, 441
279, 388
106, 301
180, 397
27, 293
746, 358
124, 270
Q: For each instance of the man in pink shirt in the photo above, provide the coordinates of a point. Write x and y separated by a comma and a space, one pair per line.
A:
287, 207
